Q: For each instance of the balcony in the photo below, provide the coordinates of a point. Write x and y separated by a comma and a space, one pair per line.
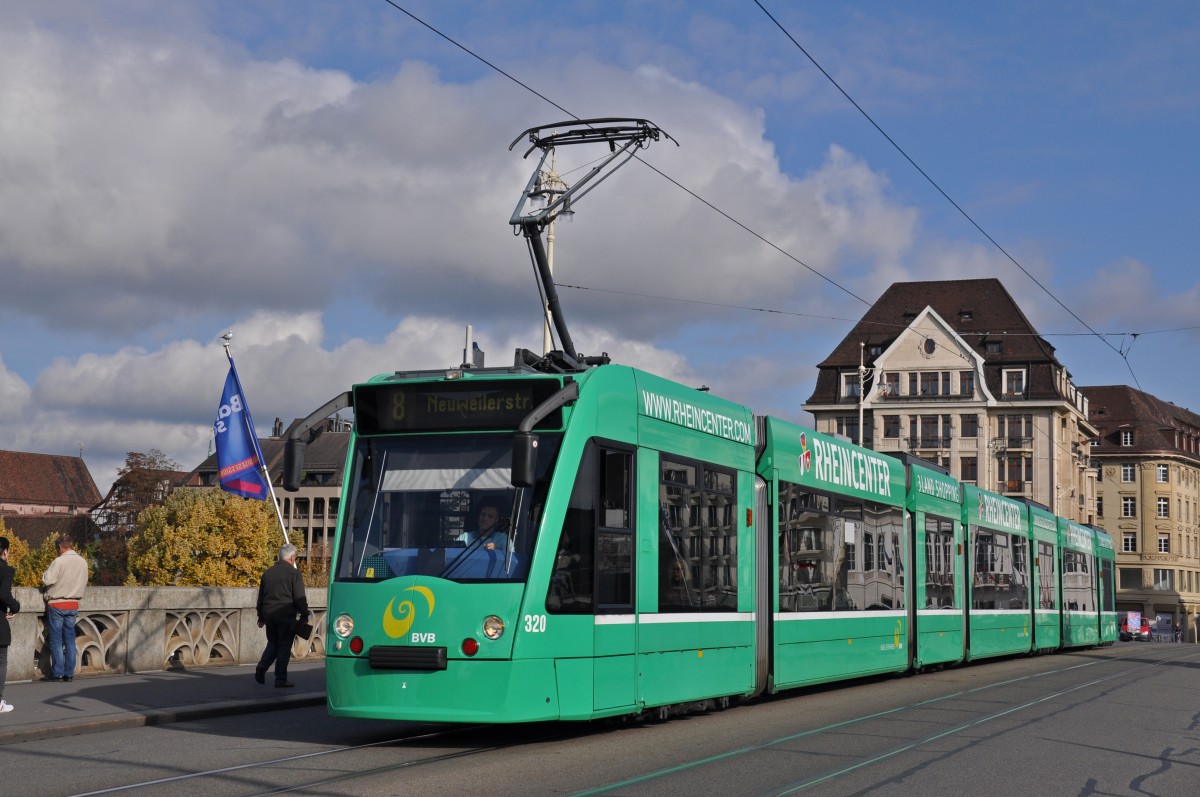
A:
929, 396
1010, 486
927, 442
1019, 443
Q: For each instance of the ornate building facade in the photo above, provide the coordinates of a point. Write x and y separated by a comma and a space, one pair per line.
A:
953, 372
1148, 499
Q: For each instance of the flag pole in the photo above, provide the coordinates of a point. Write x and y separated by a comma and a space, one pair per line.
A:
262, 460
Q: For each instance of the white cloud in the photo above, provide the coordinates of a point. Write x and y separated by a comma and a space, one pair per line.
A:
14, 395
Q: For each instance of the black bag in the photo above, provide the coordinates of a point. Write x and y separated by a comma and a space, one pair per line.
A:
302, 629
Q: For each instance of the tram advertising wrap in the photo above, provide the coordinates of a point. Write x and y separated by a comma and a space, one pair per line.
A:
666, 550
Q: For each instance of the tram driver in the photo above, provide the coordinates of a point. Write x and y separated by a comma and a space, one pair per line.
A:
488, 527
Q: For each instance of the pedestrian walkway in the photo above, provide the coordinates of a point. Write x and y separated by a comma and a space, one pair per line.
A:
46, 710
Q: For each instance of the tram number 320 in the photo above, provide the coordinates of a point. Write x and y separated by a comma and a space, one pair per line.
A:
535, 623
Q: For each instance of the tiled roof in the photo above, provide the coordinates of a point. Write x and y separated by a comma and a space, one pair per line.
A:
46, 479
325, 451
977, 309
35, 529
1116, 408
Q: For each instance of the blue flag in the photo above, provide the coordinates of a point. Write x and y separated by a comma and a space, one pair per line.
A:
239, 458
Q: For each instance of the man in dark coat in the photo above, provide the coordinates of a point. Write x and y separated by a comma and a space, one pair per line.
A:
281, 602
8, 607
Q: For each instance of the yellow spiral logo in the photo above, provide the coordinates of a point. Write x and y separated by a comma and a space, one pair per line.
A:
396, 623
899, 631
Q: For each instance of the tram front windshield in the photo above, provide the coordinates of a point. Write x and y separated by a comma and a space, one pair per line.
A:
440, 506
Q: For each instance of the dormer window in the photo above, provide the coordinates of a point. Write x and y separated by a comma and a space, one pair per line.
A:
850, 386
874, 350
1014, 382
993, 347
1127, 438
966, 315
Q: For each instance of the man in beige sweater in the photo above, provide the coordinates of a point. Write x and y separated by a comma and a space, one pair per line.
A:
65, 579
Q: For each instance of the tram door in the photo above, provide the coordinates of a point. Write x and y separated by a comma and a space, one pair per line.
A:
615, 628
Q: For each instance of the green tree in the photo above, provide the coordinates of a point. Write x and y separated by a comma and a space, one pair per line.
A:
204, 538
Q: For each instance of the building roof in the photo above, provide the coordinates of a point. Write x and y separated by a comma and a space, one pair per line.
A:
1159, 426
325, 452
979, 310
35, 529
51, 479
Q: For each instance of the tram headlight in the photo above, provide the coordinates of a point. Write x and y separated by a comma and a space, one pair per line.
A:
493, 627
343, 626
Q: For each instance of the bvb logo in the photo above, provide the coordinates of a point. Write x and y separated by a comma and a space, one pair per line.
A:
805, 455
396, 624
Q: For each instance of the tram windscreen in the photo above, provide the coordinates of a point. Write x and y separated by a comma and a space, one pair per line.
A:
439, 506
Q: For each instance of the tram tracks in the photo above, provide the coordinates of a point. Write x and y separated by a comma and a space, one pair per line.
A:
901, 737
815, 741
194, 780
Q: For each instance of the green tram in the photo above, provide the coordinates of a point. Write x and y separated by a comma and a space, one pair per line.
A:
659, 548
569, 539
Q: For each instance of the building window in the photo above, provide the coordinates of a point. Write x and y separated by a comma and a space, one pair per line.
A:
1162, 474
1014, 383
850, 386
1128, 506
1127, 438
929, 383
848, 425
966, 383
1164, 543
1164, 507
1128, 472
1164, 580
891, 425
969, 469
891, 384
970, 425
1131, 577
1099, 506
874, 350
1017, 429
993, 347
1129, 542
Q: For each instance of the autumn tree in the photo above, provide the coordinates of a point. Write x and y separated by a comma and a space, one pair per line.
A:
144, 481
204, 538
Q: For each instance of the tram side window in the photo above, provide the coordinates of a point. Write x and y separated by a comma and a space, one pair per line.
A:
882, 587
820, 541
1001, 578
571, 586
614, 549
939, 562
1078, 589
697, 548
593, 565
1047, 578
1106, 587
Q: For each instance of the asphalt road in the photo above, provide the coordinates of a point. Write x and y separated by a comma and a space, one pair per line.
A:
1123, 720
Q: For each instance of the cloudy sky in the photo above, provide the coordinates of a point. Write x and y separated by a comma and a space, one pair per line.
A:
332, 181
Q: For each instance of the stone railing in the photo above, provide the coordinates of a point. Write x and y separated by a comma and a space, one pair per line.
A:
142, 629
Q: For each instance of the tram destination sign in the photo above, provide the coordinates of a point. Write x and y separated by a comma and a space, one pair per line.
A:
475, 405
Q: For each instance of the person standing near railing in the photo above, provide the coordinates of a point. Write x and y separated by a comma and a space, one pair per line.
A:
64, 582
8, 607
